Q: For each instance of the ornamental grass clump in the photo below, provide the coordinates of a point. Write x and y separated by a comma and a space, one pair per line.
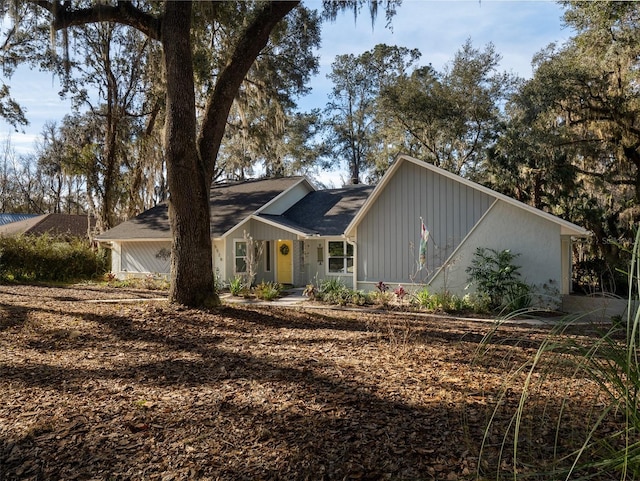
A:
333, 291
268, 291
237, 286
562, 433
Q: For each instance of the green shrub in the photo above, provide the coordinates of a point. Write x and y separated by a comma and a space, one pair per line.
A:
382, 298
477, 302
236, 286
333, 291
495, 275
360, 298
268, 291
518, 297
422, 299
49, 258
447, 302
340, 297
331, 285
439, 301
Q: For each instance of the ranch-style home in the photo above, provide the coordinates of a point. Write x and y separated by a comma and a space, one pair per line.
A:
420, 225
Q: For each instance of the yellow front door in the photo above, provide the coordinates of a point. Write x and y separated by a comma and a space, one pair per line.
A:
284, 253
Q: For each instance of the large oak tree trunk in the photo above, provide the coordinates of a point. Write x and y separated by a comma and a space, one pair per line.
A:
190, 158
191, 258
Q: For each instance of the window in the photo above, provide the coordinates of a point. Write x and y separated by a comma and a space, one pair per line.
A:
240, 253
340, 257
267, 256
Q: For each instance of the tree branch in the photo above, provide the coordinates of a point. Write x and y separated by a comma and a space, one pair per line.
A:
252, 41
123, 12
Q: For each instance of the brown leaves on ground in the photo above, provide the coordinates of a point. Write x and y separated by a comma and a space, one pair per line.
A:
144, 390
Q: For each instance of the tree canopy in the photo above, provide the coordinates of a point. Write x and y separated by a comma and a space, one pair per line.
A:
193, 92
195, 114
572, 144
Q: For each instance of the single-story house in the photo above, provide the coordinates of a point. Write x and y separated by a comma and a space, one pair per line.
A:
66, 225
360, 234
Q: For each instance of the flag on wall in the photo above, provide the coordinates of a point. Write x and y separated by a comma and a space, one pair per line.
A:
424, 237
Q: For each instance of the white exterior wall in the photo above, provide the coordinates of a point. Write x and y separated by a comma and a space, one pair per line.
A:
505, 226
143, 257
116, 249
219, 265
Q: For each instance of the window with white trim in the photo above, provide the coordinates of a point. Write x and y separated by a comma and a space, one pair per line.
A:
339, 257
240, 257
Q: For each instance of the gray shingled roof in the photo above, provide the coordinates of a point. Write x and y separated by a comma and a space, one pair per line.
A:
230, 205
325, 212
55, 224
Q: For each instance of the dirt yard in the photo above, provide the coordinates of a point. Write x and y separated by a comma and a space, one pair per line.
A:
144, 391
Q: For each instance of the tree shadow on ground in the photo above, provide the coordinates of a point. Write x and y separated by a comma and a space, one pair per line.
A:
12, 316
225, 409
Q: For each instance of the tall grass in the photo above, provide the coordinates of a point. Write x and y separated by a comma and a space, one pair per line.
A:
597, 441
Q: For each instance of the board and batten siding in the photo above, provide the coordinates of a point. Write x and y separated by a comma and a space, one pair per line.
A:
260, 231
388, 236
145, 257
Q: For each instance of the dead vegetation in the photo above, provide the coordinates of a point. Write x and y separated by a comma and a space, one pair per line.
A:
115, 391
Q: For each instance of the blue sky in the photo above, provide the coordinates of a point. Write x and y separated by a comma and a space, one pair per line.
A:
518, 29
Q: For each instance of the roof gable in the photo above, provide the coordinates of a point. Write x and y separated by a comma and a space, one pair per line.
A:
324, 212
566, 227
234, 204
328, 212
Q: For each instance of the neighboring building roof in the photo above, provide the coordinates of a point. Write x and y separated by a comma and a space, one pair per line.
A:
566, 227
230, 204
54, 224
9, 218
325, 212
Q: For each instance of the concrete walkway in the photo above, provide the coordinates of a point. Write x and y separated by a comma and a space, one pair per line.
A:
290, 297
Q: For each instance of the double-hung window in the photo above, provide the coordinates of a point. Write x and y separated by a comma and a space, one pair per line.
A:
240, 257
262, 248
339, 257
